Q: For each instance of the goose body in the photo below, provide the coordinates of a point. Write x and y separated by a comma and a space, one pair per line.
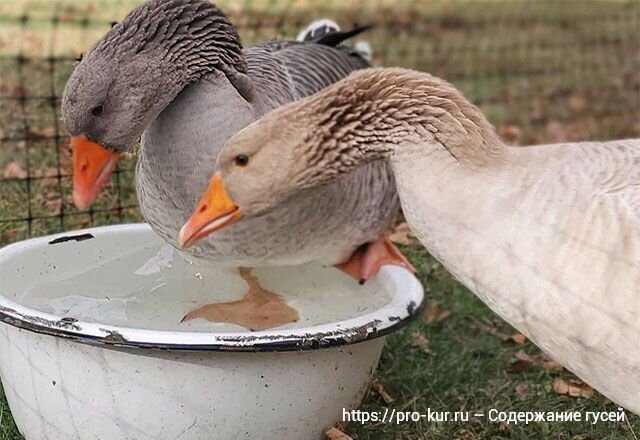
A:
548, 236
205, 89
550, 240
195, 126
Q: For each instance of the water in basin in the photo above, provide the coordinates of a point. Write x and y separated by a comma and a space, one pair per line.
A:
134, 279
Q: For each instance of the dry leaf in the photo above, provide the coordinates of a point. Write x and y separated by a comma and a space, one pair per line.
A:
432, 313
45, 133
378, 388
510, 133
465, 434
547, 363
19, 90
334, 433
402, 234
418, 340
522, 389
578, 102
572, 387
517, 338
518, 366
522, 362
14, 170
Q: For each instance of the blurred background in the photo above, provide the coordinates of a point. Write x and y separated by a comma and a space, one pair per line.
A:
542, 71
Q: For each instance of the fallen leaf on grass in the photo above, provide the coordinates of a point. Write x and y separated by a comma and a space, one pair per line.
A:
432, 313
523, 362
418, 340
18, 91
7, 236
578, 102
334, 433
572, 387
402, 234
465, 434
522, 389
547, 363
14, 170
516, 338
378, 388
522, 356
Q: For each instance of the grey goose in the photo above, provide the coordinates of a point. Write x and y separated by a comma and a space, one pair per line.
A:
174, 73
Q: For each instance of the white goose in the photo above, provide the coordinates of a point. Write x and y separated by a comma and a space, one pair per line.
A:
548, 236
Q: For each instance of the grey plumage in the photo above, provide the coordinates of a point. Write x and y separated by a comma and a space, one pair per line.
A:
173, 70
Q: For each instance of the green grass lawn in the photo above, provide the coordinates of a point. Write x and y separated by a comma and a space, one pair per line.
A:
542, 71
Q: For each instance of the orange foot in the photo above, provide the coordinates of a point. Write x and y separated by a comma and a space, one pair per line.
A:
258, 309
368, 258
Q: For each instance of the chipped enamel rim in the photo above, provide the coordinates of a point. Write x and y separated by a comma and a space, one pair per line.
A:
406, 291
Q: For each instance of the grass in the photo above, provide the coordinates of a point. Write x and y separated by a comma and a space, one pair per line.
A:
542, 71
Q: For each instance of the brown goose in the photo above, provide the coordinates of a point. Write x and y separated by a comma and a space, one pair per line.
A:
174, 72
548, 236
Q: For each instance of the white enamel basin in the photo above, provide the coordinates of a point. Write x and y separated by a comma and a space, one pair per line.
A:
92, 346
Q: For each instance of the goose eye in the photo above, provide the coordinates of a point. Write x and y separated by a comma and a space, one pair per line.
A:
97, 111
241, 160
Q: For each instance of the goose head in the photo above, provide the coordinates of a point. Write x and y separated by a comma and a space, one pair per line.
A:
368, 116
287, 152
250, 161
133, 72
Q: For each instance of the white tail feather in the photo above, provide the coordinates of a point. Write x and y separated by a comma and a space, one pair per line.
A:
317, 28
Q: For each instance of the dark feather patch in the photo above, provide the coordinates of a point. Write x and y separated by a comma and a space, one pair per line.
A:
335, 38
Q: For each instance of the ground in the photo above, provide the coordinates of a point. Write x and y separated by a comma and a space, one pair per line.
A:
544, 71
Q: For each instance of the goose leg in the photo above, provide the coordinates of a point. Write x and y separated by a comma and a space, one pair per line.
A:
258, 309
368, 258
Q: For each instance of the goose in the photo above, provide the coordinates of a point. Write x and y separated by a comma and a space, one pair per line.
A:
548, 236
174, 73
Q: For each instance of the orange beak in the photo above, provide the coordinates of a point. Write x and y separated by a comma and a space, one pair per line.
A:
92, 166
214, 211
